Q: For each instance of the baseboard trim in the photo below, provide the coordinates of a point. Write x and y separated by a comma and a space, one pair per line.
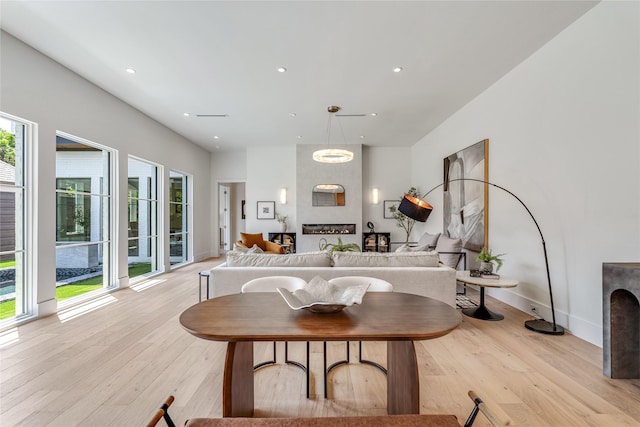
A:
581, 328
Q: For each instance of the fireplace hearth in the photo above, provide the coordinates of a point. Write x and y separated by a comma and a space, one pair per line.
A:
621, 319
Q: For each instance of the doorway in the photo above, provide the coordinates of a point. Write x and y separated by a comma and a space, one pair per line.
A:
231, 213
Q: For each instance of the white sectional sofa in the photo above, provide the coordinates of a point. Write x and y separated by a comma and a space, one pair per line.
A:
410, 272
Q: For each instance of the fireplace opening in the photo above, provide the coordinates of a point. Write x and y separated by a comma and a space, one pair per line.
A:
621, 320
328, 229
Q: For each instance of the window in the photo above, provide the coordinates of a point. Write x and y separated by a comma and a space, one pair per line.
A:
143, 218
16, 288
179, 212
84, 241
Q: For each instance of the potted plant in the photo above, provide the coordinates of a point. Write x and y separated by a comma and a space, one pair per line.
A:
282, 219
402, 220
487, 260
339, 247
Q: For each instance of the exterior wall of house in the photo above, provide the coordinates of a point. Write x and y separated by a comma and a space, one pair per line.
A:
563, 131
38, 89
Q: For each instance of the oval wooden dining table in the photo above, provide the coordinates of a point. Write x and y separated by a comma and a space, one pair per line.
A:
394, 317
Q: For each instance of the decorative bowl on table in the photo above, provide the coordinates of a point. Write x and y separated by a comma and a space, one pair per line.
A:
320, 296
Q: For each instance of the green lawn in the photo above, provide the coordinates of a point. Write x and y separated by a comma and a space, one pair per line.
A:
10, 263
8, 308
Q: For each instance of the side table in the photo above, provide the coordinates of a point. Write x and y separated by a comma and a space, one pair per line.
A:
482, 312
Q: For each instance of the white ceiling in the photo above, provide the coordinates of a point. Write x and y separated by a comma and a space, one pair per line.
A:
215, 57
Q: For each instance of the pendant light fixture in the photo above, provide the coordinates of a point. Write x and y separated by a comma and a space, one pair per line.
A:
332, 155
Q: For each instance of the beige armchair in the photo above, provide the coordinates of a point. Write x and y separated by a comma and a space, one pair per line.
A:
247, 241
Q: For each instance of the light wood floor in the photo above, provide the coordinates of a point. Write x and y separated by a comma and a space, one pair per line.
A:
115, 363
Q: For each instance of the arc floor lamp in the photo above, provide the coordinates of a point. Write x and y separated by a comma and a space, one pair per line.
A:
419, 210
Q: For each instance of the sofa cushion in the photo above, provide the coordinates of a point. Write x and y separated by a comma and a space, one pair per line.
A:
447, 244
386, 259
406, 248
255, 249
309, 259
249, 240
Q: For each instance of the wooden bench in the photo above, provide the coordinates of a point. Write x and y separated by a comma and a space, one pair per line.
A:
415, 420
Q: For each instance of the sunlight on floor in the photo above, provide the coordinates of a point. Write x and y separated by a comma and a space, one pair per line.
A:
87, 307
146, 284
9, 337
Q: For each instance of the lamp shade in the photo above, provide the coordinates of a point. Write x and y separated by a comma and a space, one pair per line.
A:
415, 208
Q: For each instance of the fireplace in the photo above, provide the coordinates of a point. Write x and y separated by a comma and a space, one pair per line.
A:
621, 319
328, 229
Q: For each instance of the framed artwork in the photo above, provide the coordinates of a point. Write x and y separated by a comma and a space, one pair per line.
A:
466, 203
390, 206
267, 210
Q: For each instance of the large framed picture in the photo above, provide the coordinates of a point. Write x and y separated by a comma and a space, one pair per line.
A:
390, 206
466, 203
267, 210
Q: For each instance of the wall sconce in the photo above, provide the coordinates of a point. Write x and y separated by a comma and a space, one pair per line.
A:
283, 196
375, 196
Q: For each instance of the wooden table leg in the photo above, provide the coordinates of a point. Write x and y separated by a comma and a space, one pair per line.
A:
237, 382
403, 384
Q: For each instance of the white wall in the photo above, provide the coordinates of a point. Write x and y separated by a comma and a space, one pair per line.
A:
40, 90
388, 169
268, 169
564, 136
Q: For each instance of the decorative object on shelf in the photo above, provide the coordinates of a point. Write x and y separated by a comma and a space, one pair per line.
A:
371, 227
321, 296
404, 221
376, 242
465, 204
332, 155
487, 260
419, 210
338, 247
266, 210
282, 219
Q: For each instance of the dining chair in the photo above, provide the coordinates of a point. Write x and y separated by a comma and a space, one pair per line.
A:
270, 284
375, 285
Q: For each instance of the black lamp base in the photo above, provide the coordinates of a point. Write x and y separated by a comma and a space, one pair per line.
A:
544, 327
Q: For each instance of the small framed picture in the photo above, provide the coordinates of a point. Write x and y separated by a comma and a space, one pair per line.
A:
266, 210
390, 206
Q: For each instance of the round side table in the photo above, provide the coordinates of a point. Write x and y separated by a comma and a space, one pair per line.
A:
482, 312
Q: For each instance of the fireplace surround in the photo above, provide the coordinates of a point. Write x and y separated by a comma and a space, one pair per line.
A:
621, 319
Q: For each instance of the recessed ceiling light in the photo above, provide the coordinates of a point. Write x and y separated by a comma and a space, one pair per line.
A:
130, 70
282, 70
299, 136
374, 114
216, 137
292, 114
186, 114
362, 137
397, 69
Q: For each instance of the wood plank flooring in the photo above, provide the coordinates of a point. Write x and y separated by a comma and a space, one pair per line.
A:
113, 362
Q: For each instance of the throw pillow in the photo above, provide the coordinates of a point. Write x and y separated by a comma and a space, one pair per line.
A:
255, 249
429, 239
447, 244
253, 239
239, 248
385, 259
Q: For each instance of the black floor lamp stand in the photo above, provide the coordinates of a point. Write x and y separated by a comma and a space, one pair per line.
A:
419, 210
